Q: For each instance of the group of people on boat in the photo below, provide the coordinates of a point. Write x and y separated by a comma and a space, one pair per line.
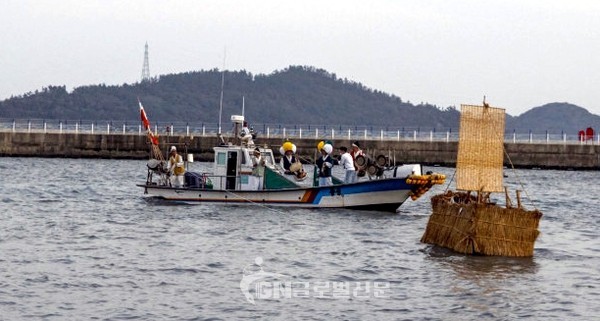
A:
290, 162
291, 165
347, 160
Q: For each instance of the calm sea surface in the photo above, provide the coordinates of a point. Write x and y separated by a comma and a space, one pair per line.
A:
78, 241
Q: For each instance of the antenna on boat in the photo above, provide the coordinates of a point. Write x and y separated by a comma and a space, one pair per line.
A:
222, 85
243, 104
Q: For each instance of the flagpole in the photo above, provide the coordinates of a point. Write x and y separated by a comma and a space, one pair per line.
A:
222, 86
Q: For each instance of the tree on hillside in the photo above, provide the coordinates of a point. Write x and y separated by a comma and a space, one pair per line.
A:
294, 95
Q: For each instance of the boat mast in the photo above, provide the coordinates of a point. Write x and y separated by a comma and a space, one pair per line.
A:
222, 85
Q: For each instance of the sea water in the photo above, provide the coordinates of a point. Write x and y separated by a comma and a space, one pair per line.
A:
79, 241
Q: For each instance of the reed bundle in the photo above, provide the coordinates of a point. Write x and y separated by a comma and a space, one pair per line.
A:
466, 225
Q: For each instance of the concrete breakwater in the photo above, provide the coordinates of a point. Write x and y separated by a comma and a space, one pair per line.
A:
555, 155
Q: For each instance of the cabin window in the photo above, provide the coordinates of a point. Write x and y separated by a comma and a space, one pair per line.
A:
244, 158
268, 158
221, 158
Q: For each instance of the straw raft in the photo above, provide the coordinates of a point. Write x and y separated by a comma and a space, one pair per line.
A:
474, 225
461, 223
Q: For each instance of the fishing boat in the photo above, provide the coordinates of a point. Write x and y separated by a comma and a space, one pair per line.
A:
233, 180
468, 220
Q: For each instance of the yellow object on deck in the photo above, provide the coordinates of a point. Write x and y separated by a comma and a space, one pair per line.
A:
423, 183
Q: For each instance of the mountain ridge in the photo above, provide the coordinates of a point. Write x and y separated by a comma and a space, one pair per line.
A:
294, 95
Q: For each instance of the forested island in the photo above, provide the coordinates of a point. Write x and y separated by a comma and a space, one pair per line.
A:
294, 95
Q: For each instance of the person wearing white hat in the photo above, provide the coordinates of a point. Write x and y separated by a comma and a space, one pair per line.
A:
324, 165
176, 167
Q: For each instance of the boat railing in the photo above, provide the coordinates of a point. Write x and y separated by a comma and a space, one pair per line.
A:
318, 132
208, 181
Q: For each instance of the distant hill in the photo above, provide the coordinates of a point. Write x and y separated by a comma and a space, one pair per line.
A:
554, 117
295, 95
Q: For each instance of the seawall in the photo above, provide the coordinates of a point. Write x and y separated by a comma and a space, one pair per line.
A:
554, 155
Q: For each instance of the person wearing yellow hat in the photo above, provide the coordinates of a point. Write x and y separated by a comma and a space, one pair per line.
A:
289, 157
324, 165
176, 167
320, 145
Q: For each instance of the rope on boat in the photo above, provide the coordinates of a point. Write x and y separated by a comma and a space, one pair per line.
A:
450, 181
254, 203
519, 180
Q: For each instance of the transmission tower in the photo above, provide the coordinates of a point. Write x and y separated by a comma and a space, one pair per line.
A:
146, 68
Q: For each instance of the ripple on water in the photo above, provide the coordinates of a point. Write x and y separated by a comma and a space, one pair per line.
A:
76, 248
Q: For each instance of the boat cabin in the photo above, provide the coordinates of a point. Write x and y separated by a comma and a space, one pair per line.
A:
232, 168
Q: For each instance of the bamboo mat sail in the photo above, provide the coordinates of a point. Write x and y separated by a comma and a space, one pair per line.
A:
480, 149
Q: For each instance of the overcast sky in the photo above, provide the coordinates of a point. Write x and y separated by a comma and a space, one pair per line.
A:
519, 53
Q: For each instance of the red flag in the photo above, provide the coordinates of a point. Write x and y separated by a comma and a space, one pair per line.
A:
153, 138
145, 120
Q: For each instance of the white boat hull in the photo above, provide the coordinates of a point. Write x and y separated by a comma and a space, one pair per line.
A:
382, 194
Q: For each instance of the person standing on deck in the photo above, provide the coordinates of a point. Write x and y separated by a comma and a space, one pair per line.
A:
176, 168
258, 168
348, 164
355, 152
324, 165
